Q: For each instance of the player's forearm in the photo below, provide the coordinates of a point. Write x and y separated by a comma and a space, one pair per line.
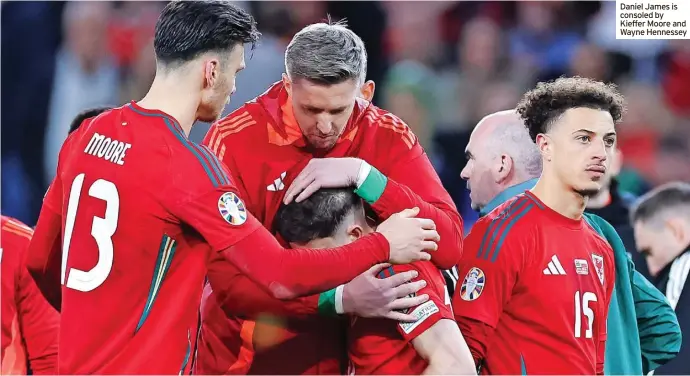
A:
388, 197
247, 299
291, 273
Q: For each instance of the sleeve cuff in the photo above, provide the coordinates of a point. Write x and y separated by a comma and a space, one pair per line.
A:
339, 299
373, 186
327, 303
364, 170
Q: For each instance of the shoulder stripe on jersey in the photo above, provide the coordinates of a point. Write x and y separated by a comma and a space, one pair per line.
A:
512, 222
166, 251
497, 222
536, 202
173, 127
217, 169
21, 233
18, 226
215, 161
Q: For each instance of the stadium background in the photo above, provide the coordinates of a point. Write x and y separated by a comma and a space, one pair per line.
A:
440, 66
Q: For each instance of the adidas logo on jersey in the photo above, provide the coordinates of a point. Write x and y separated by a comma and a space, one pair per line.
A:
554, 267
278, 184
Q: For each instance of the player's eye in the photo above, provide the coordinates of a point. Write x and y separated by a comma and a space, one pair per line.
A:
584, 139
610, 142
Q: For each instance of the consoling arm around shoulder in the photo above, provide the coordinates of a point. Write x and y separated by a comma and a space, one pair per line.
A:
445, 349
291, 273
239, 295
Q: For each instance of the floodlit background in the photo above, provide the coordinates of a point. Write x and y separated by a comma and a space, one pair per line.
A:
440, 66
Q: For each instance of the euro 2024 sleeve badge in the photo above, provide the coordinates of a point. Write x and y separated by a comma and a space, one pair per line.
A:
472, 285
232, 209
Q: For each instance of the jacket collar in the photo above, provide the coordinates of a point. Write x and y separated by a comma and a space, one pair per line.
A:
506, 195
284, 129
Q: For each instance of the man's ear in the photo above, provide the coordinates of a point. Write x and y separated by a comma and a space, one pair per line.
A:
287, 83
355, 232
211, 72
678, 228
503, 168
367, 90
544, 144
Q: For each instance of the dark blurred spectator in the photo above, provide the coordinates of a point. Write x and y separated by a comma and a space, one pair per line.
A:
408, 94
30, 36
537, 44
481, 58
85, 74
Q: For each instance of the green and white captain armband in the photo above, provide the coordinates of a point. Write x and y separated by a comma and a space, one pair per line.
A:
370, 183
331, 302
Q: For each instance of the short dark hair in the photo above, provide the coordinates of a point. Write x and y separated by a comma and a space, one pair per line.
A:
86, 114
675, 195
186, 29
541, 106
319, 216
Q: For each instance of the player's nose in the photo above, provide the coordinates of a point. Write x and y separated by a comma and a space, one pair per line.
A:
465, 173
325, 127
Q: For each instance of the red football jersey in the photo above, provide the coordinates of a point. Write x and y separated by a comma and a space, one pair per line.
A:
536, 291
29, 324
129, 189
264, 148
384, 347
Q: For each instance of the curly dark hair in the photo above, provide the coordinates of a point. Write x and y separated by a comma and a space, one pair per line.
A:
541, 106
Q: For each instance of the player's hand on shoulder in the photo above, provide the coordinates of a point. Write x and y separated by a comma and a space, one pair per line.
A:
323, 173
409, 237
371, 296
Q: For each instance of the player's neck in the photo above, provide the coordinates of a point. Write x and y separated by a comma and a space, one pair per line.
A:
173, 99
560, 198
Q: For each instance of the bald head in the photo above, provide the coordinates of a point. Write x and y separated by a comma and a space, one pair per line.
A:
500, 154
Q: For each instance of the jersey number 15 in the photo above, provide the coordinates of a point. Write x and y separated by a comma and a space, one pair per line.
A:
102, 230
582, 308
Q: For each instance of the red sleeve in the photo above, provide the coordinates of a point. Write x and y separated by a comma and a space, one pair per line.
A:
240, 296
44, 256
415, 183
222, 219
40, 324
431, 311
488, 282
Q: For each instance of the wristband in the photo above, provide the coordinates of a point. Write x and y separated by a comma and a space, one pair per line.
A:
327, 305
364, 170
373, 186
339, 300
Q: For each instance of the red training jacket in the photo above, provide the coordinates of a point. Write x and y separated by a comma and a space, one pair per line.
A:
263, 147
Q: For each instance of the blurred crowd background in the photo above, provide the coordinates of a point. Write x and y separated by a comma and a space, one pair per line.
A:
441, 66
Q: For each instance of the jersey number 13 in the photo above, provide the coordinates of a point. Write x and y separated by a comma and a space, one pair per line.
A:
102, 230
